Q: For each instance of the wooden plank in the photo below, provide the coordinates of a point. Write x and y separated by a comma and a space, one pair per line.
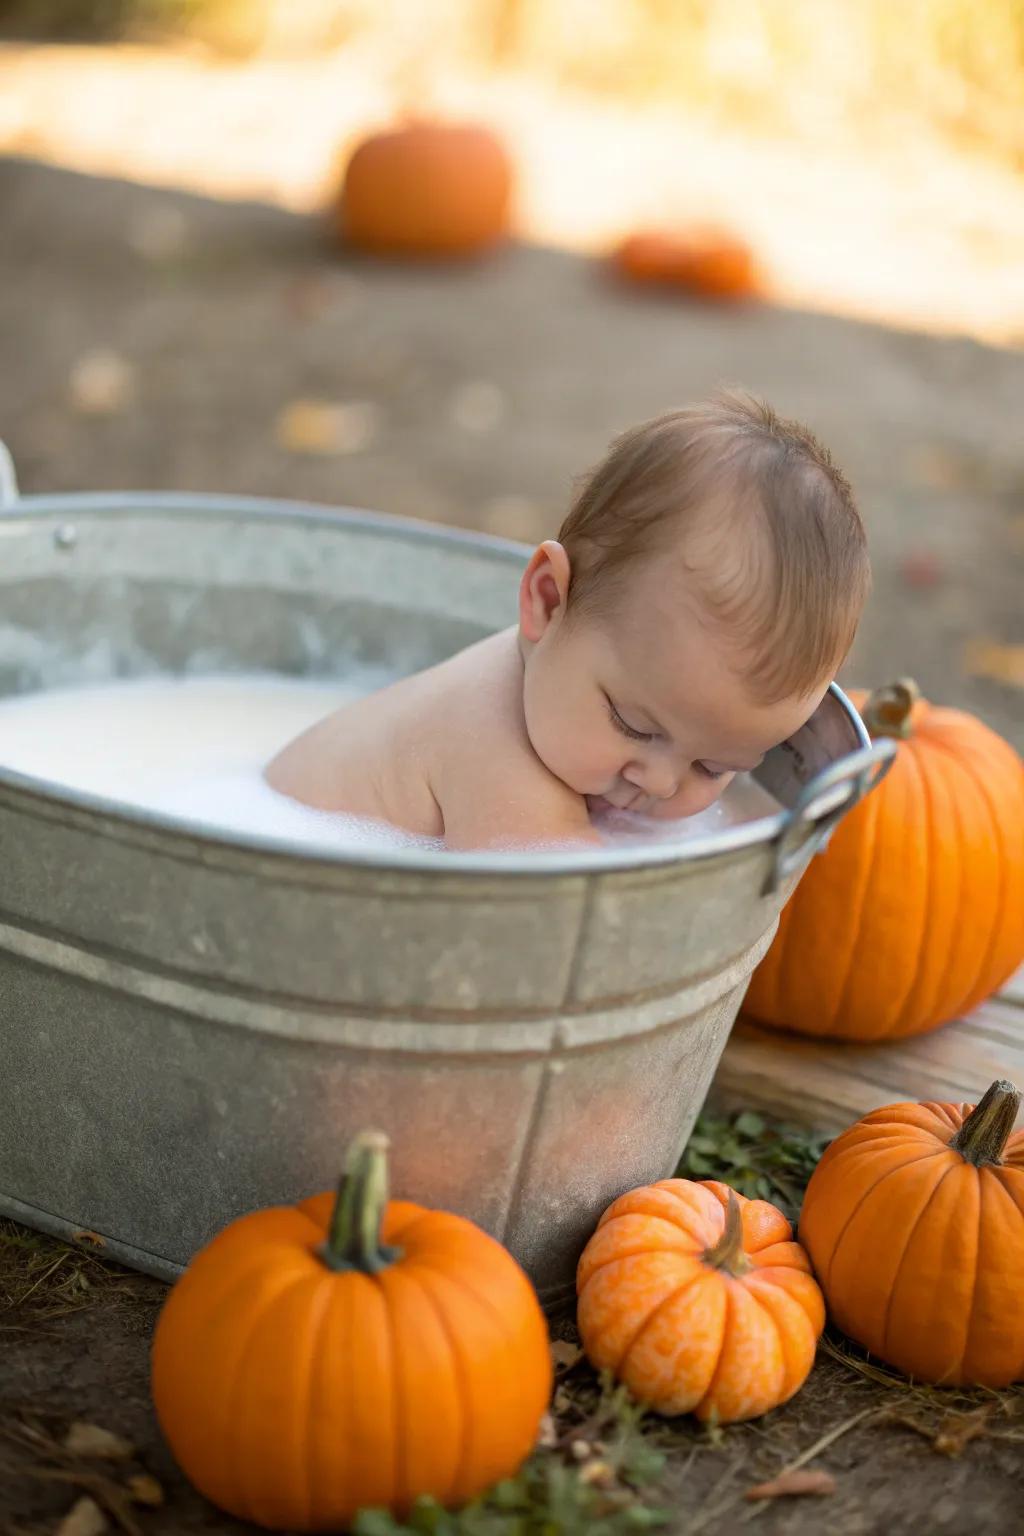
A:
825, 1084
1014, 988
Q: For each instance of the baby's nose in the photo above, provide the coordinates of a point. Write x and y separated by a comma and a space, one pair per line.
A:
657, 779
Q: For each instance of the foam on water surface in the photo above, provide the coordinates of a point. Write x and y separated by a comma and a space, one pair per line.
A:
194, 748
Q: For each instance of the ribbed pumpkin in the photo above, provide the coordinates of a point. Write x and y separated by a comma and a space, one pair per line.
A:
709, 263
914, 1221
311, 1363
699, 1300
427, 190
915, 912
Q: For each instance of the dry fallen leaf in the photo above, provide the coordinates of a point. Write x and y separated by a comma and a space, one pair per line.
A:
921, 569
565, 1355
145, 1489
102, 383
939, 467
988, 658
795, 1484
958, 1429
84, 1518
326, 426
954, 1430
84, 1439
597, 1473
477, 406
89, 1239
547, 1434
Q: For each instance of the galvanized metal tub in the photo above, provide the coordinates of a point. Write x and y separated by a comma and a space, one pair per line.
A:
193, 1025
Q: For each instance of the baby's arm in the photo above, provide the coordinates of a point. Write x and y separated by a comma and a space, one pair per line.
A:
306, 769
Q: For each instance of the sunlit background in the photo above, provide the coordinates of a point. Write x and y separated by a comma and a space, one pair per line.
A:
871, 151
180, 307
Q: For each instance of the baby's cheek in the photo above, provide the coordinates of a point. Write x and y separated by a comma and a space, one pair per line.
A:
696, 795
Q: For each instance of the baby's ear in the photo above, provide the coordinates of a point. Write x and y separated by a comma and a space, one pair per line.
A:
544, 589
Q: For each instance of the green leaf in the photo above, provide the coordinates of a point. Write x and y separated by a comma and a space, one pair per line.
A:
749, 1124
375, 1522
699, 1143
639, 1518
508, 1494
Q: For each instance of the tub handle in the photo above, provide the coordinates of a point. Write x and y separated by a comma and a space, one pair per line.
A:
822, 802
8, 479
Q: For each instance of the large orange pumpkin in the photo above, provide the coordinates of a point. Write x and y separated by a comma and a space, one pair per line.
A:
308, 1364
707, 262
914, 1221
427, 190
915, 912
699, 1300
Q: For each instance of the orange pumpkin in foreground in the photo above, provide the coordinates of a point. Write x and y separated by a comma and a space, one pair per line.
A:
699, 1300
427, 190
308, 1364
915, 912
707, 262
914, 1221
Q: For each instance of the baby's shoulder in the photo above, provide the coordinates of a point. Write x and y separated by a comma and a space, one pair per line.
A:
492, 789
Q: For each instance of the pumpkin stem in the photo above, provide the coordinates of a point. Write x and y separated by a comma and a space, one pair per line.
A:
353, 1238
728, 1252
888, 710
985, 1132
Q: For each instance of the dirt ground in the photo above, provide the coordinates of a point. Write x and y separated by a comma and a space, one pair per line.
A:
156, 340
898, 1458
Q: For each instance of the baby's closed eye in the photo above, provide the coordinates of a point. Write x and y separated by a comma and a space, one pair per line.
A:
625, 728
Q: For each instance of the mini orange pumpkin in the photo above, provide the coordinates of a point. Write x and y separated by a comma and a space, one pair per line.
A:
708, 262
914, 1221
699, 1300
427, 189
308, 1364
915, 912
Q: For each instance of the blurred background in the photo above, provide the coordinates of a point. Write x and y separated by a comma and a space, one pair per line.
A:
182, 306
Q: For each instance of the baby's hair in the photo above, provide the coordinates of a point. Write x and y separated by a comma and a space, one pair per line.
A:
765, 523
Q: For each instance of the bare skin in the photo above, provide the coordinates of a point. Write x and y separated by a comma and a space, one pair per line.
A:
518, 739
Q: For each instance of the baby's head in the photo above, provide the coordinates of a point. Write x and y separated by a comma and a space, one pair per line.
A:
704, 589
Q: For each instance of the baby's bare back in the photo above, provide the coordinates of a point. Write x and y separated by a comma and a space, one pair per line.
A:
443, 753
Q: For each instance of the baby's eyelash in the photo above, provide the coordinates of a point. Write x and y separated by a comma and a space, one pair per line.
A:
708, 773
627, 730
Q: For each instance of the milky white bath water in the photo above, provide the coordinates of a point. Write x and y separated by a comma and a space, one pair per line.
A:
195, 747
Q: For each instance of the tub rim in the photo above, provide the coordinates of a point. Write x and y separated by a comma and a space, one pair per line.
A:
766, 830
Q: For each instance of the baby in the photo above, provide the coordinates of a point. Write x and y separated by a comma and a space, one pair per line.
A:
702, 592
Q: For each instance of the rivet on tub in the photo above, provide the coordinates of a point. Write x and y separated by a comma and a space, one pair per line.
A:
66, 536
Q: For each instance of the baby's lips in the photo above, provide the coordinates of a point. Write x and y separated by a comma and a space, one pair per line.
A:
597, 805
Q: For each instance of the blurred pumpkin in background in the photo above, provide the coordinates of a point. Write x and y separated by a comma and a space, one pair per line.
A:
710, 263
914, 914
426, 189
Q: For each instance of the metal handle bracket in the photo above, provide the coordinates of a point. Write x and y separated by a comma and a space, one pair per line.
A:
822, 802
8, 478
